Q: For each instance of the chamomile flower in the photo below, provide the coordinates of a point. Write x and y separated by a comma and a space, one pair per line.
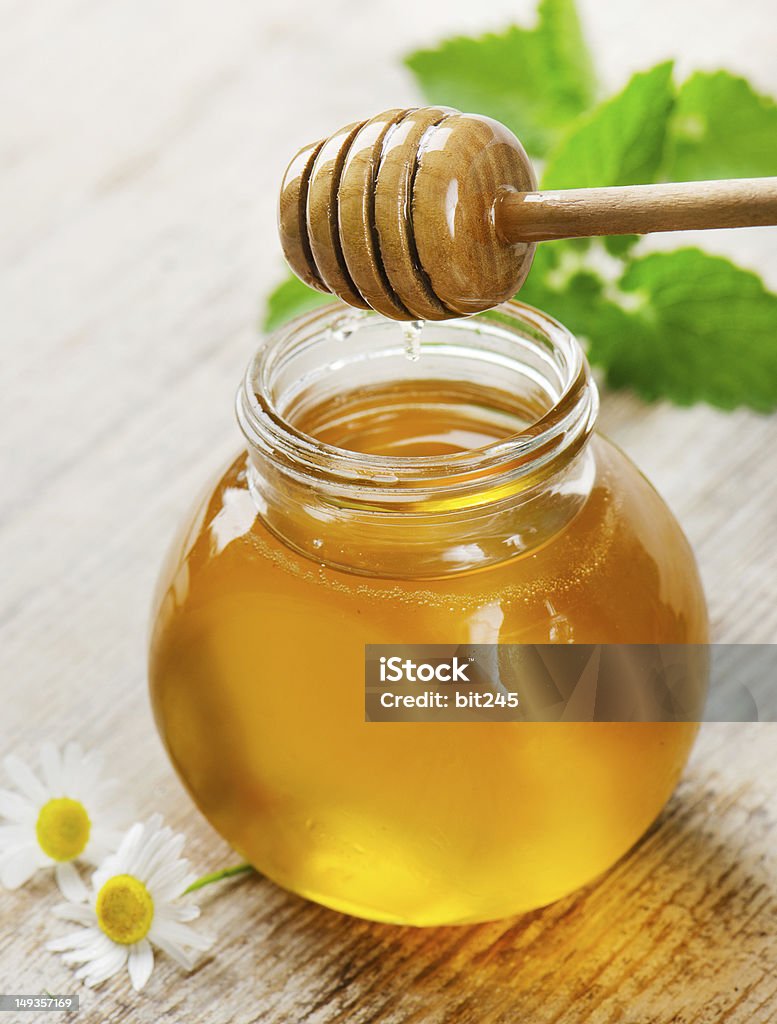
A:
133, 907
67, 813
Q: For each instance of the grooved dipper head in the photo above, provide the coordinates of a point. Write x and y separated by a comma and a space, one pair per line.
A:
396, 214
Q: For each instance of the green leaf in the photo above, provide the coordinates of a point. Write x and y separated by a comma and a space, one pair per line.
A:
564, 284
685, 325
621, 141
289, 299
620, 245
690, 327
533, 80
721, 128
549, 285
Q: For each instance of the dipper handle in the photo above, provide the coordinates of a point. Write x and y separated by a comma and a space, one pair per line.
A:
637, 209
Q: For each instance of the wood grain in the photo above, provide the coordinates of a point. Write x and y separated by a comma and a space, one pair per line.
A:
393, 228
141, 157
356, 209
461, 168
292, 216
637, 209
399, 214
322, 215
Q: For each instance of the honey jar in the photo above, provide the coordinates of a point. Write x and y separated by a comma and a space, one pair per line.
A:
398, 485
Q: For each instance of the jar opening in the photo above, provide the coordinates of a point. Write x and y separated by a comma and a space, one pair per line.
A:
521, 370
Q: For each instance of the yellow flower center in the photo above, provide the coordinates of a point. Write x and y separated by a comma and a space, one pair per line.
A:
63, 828
124, 909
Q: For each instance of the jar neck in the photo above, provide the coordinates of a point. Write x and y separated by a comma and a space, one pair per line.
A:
432, 515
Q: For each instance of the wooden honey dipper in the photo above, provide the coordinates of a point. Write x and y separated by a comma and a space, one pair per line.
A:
428, 213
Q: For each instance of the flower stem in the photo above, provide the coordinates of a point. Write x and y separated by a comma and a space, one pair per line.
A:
216, 876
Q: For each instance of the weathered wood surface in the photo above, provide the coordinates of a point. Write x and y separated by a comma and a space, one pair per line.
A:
142, 144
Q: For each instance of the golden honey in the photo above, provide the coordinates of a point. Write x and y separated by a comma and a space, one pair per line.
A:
486, 512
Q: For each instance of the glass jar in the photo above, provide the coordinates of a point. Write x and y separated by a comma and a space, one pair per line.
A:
448, 493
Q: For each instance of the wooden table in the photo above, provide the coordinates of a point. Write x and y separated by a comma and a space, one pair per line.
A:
141, 150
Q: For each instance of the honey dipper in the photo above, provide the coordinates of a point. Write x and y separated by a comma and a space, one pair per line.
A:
428, 213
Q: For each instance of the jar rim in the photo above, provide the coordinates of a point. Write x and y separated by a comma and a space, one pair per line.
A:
558, 433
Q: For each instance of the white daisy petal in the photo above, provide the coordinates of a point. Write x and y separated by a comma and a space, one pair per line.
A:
104, 967
101, 874
129, 846
52, 769
182, 934
161, 845
188, 881
25, 779
87, 953
14, 835
147, 855
37, 856
181, 956
168, 881
76, 940
42, 860
140, 963
15, 807
70, 882
172, 877
81, 913
17, 866
156, 823
182, 911
117, 863
163, 872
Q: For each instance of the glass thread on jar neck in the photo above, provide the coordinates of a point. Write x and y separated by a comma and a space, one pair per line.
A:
329, 352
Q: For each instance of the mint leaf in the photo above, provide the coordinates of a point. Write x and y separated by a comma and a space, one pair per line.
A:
619, 142
549, 284
564, 283
690, 327
533, 80
620, 245
685, 325
721, 128
289, 299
